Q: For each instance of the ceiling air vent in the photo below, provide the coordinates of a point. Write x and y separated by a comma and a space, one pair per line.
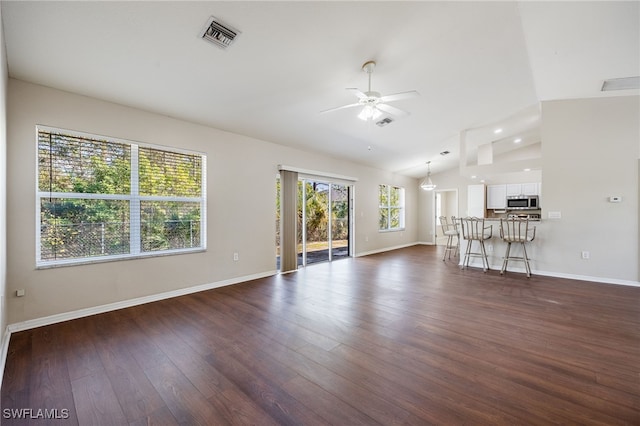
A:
384, 122
625, 83
222, 35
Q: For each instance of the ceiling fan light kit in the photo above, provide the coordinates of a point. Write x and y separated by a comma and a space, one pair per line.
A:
369, 113
373, 104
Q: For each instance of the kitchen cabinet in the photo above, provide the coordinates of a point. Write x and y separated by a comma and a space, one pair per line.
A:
530, 189
476, 200
496, 196
514, 189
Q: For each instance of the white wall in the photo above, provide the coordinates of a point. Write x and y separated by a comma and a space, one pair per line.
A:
240, 213
3, 184
590, 152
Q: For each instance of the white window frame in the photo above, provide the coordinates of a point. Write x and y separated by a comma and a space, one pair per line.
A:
134, 203
388, 207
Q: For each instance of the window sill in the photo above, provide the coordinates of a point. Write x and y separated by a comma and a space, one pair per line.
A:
390, 230
116, 258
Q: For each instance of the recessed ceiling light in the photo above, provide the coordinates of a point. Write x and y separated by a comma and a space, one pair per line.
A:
481, 180
527, 170
496, 131
517, 140
474, 176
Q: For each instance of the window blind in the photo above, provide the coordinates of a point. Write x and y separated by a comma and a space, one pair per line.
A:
108, 199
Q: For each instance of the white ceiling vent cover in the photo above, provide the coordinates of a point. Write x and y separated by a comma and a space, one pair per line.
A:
222, 35
626, 83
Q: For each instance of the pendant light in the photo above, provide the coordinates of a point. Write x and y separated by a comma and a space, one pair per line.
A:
427, 184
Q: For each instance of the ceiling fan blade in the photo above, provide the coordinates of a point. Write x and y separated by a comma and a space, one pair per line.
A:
340, 107
392, 110
358, 93
399, 96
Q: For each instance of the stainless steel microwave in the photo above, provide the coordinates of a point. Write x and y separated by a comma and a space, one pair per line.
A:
523, 202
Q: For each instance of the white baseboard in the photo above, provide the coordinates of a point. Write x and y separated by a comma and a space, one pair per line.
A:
602, 280
80, 313
476, 263
4, 350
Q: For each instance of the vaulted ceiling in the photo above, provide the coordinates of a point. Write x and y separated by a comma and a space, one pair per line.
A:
473, 63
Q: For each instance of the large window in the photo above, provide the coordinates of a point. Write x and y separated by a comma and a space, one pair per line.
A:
100, 198
391, 202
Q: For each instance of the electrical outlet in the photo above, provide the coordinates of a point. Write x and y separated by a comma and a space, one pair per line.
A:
585, 255
20, 292
490, 248
236, 257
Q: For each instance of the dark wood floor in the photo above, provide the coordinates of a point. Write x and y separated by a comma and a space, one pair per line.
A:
394, 338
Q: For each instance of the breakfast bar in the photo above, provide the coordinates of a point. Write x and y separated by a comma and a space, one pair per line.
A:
496, 248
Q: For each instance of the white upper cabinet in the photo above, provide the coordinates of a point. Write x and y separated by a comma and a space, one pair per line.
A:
514, 189
530, 189
496, 196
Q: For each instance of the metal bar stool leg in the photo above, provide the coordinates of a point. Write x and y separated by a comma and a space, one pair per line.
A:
485, 259
467, 254
446, 248
505, 262
526, 260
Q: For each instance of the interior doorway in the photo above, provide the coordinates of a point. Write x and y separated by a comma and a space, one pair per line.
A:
446, 204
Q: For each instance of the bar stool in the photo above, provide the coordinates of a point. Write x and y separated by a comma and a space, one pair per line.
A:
456, 228
515, 230
450, 230
473, 229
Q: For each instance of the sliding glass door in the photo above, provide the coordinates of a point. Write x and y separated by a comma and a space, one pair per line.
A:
317, 221
323, 221
340, 208
324, 209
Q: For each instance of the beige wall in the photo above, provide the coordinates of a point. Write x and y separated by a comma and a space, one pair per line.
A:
3, 182
590, 152
240, 208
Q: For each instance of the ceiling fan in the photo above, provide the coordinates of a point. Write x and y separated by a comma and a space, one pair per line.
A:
373, 103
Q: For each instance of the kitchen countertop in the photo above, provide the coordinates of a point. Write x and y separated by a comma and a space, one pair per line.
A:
497, 219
